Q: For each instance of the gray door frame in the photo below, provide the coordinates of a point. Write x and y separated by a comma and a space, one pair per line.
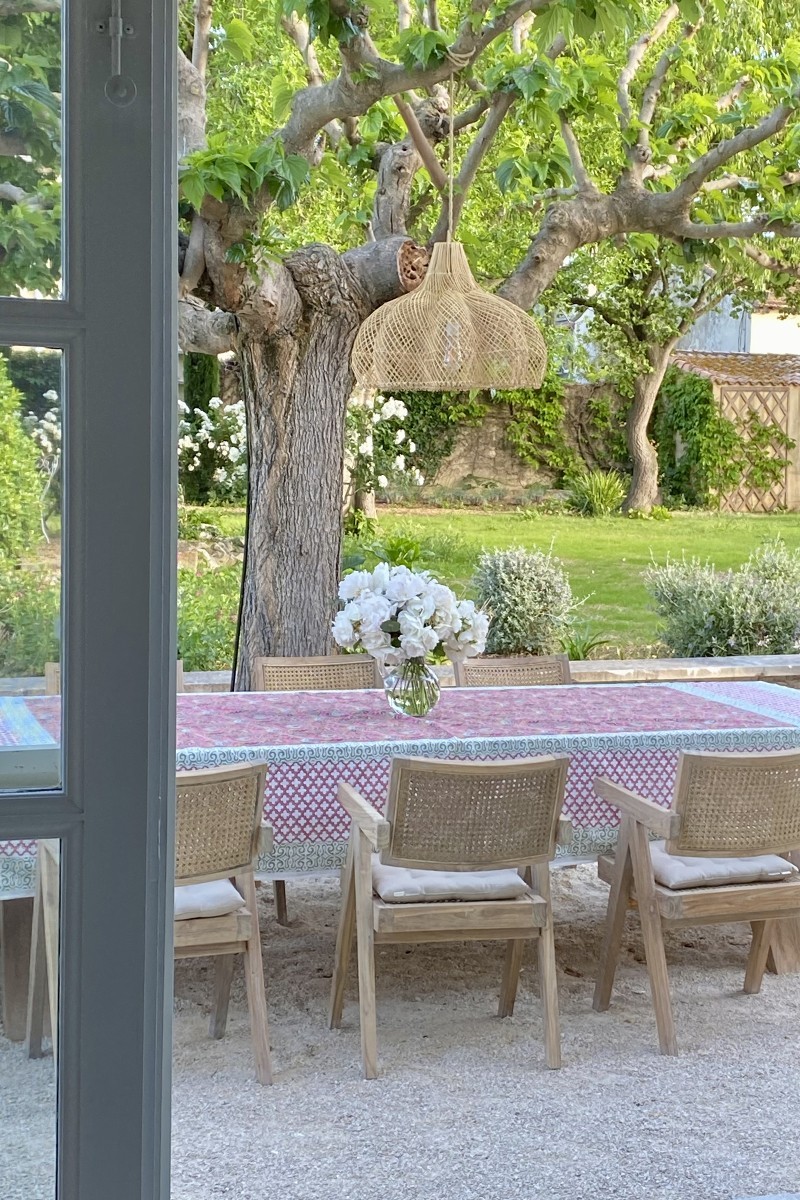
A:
114, 813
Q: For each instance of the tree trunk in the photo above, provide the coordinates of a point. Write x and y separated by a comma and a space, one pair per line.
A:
296, 395
643, 493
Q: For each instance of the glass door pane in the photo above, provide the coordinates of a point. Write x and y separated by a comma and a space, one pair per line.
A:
29, 962
30, 152
31, 484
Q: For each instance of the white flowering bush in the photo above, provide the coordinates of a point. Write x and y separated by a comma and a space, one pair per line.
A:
376, 462
528, 598
212, 452
46, 435
396, 614
708, 613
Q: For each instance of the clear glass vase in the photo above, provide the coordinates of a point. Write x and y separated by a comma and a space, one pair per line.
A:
412, 688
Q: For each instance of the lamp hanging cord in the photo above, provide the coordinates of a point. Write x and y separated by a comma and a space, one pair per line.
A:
457, 63
451, 153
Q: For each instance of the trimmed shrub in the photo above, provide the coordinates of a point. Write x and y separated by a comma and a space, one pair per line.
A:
208, 604
20, 512
710, 614
528, 598
29, 608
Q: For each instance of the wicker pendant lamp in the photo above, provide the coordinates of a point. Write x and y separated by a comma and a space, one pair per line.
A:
449, 335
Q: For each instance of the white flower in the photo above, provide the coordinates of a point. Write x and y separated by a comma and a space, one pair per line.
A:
375, 609
400, 463
399, 437
214, 403
50, 395
365, 450
353, 584
376, 418
220, 475
380, 577
343, 632
417, 477
404, 584
234, 454
369, 402
412, 447
382, 481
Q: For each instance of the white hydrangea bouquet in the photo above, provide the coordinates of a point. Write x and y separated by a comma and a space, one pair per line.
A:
399, 616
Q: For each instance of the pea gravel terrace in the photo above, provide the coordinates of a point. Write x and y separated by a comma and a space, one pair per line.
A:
465, 1108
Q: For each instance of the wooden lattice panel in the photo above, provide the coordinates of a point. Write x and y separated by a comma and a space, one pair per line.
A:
771, 406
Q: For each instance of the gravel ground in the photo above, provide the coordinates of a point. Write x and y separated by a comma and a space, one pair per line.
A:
465, 1108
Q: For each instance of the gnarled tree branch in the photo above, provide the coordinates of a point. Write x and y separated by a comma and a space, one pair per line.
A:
202, 33
635, 59
203, 330
582, 176
723, 152
501, 104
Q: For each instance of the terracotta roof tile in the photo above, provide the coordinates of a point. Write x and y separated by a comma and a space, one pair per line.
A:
732, 369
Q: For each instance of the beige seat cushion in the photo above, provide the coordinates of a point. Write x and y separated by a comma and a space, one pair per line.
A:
214, 899
674, 871
407, 885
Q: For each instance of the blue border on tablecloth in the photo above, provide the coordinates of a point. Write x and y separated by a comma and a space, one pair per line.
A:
786, 738
15, 713
708, 691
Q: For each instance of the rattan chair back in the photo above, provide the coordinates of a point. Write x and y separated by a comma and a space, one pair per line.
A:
52, 679
737, 805
473, 816
218, 821
521, 671
325, 673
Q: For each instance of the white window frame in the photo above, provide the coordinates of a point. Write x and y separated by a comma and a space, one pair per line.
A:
116, 327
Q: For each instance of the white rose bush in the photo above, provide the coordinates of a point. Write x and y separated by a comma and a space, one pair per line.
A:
398, 616
212, 452
371, 467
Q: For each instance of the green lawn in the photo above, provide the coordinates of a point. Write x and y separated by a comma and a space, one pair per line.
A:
603, 557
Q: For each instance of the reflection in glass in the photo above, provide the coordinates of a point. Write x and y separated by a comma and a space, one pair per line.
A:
29, 939
30, 568
30, 152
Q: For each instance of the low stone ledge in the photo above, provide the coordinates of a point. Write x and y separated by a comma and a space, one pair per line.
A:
774, 668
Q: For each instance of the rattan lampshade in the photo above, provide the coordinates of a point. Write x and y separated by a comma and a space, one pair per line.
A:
449, 335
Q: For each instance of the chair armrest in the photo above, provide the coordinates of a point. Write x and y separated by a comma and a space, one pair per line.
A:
367, 818
265, 839
661, 820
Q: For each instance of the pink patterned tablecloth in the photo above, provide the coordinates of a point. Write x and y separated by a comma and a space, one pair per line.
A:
631, 732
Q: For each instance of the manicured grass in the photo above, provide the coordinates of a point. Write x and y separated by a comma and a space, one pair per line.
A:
604, 558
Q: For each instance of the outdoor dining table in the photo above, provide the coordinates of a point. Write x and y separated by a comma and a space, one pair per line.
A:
312, 740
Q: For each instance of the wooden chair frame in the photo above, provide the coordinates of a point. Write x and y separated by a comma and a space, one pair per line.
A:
523, 670
375, 922
218, 937
236, 933
325, 672
633, 885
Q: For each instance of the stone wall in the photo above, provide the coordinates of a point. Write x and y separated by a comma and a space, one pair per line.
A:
483, 452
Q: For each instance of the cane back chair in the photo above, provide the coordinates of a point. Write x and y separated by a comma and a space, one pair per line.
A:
524, 670
733, 818
325, 673
479, 823
218, 833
